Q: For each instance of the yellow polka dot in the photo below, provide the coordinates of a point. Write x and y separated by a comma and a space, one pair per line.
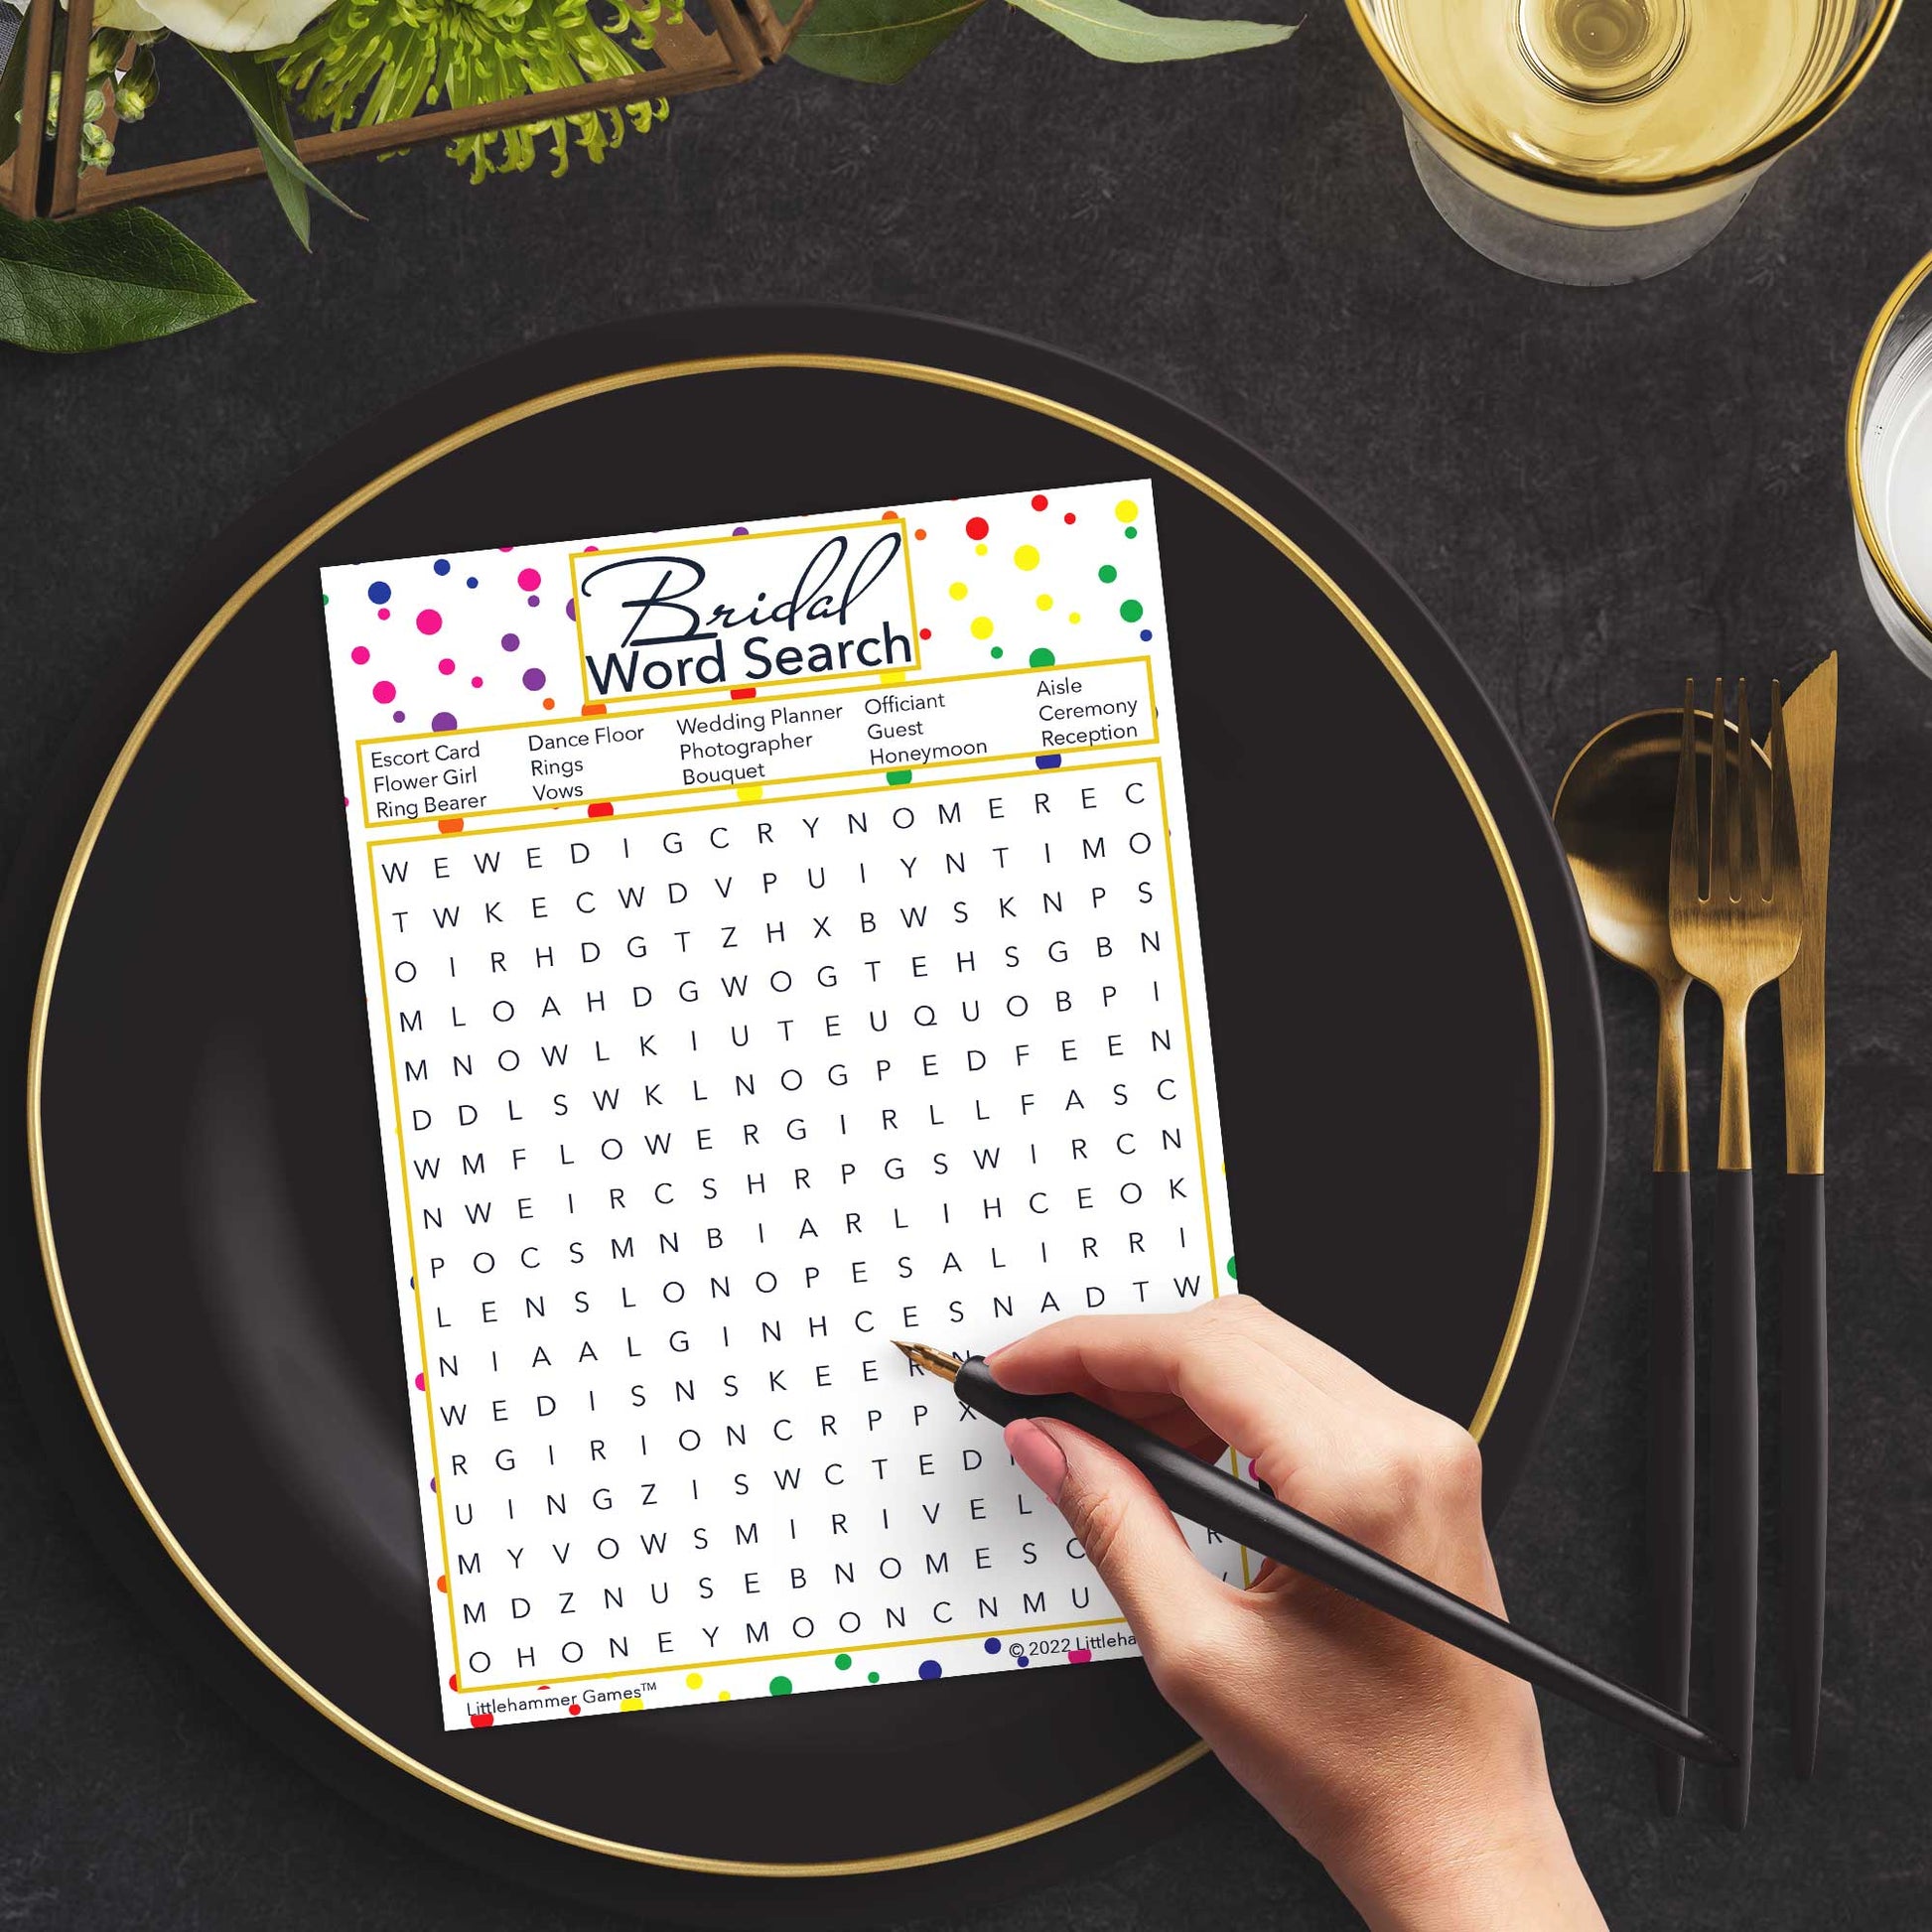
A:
979, 550
982, 626
1042, 602
956, 591
692, 1681
1127, 509
1073, 616
1026, 557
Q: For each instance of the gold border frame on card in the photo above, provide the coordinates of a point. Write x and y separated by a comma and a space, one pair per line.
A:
286, 555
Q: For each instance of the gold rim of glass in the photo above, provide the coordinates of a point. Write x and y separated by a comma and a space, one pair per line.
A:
1854, 428
1747, 160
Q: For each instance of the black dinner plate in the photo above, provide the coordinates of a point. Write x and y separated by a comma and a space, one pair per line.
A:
1409, 1059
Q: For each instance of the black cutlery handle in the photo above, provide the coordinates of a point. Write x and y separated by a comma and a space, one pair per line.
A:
1672, 1458
1733, 1483
1806, 1422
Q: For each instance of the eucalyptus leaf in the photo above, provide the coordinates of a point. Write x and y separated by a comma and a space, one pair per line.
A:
876, 39
1117, 31
256, 87
125, 276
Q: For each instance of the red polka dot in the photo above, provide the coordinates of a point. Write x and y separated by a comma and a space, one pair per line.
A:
1039, 502
429, 622
384, 691
446, 665
976, 527
528, 580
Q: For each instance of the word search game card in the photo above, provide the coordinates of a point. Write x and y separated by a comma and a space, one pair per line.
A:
777, 940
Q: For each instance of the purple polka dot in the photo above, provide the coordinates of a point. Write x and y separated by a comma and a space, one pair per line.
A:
931, 1669
383, 692
511, 641
429, 622
379, 591
359, 655
444, 720
442, 565
533, 679
528, 580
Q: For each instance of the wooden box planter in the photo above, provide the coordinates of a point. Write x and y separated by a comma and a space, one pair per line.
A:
43, 179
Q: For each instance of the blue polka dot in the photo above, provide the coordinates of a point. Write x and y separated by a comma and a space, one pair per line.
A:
992, 1646
379, 593
930, 1668
442, 565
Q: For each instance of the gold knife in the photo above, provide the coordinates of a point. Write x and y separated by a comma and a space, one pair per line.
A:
1810, 731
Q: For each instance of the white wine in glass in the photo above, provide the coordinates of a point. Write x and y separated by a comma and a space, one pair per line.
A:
1604, 140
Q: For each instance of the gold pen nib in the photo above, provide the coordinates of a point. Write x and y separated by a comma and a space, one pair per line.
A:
934, 1361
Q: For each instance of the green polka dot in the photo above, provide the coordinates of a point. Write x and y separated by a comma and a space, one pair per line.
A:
842, 1661
780, 1687
899, 777
1040, 658
1232, 1276
872, 1677
1108, 572
1131, 610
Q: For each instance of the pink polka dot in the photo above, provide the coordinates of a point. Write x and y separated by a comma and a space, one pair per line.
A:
384, 691
429, 622
359, 655
447, 667
528, 580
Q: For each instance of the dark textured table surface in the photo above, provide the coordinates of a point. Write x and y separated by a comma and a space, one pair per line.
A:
1593, 491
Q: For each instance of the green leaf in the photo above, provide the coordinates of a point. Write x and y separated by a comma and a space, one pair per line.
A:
1117, 31
125, 276
13, 83
876, 39
256, 87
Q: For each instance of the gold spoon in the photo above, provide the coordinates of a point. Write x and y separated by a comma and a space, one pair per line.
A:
1613, 814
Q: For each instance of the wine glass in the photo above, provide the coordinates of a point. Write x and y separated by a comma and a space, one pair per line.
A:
1889, 453
1599, 141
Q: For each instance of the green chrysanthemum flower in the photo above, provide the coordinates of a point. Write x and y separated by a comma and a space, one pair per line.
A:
393, 57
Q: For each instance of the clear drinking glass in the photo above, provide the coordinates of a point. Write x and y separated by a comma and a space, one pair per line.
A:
1889, 453
1599, 141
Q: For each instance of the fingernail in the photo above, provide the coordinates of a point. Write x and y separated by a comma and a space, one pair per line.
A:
1038, 1456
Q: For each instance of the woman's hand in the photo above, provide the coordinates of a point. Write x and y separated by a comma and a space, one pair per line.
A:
1413, 1772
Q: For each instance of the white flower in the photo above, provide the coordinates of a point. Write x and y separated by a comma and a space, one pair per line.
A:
233, 26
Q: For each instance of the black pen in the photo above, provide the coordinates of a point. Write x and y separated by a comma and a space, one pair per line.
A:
1207, 1495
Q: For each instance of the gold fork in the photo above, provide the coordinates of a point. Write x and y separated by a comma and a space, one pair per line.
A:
1735, 937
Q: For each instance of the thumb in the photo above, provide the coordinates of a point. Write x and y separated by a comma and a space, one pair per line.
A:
1129, 1533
